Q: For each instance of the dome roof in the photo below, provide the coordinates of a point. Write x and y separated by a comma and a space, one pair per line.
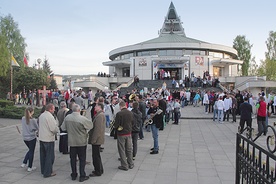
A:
171, 38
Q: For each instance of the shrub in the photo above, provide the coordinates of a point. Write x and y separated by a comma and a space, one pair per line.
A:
5, 103
14, 112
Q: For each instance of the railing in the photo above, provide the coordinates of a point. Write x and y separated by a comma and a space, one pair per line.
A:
249, 80
223, 88
125, 84
254, 164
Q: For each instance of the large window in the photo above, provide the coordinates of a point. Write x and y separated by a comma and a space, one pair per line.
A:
171, 52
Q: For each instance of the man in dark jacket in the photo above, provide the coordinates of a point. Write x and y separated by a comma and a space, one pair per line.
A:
157, 123
246, 114
123, 125
137, 122
142, 108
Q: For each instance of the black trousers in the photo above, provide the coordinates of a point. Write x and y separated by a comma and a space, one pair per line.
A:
79, 151
97, 161
63, 143
248, 123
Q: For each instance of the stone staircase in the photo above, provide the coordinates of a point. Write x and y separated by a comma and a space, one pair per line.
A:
157, 84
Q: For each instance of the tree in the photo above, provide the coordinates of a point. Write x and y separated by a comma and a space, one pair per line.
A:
53, 83
243, 48
30, 78
4, 57
13, 38
253, 67
46, 66
268, 66
271, 46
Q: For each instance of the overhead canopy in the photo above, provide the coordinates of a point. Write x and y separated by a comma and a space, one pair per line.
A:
224, 62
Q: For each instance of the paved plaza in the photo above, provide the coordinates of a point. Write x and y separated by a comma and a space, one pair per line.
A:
197, 151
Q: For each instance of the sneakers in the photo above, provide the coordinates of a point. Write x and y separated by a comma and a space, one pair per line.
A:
133, 158
31, 169
23, 165
122, 168
154, 152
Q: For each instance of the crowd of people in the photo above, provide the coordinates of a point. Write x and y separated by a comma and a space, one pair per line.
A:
126, 117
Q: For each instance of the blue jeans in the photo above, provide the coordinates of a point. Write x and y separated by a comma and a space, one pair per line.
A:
107, 123
220, 115
30, 154
215, 114
206, 107
183, 103
47, 158
155, 137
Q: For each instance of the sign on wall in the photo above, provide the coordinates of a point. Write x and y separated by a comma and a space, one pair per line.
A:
199, 60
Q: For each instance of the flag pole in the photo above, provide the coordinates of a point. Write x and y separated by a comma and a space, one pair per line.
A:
11, 77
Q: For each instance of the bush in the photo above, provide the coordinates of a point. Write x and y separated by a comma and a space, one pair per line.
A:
14, 112
5, 103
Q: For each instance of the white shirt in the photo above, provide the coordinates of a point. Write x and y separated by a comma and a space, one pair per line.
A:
220, 105
227, 103
48, 127
205, 99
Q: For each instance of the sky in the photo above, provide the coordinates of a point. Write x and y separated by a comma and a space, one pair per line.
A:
77, 35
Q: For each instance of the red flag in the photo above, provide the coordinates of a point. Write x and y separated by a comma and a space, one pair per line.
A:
25, 61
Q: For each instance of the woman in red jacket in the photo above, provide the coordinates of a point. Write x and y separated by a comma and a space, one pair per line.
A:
261, 116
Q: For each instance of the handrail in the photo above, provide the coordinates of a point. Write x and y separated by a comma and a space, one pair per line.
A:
127, 84
223, 88
248, 80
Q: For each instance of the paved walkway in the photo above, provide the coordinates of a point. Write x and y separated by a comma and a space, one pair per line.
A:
198, 151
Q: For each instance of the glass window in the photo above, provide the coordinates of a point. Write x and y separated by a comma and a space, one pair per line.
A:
153, 52
145, 53
188, 52
162, 52
218, 55
196, 52
179, 52
202, 53
170, 52
227, 56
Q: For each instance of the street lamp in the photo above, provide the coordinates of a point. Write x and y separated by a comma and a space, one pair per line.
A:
39, 61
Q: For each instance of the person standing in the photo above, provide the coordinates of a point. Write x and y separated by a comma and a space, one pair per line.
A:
77, 127
142, 108
246, 114
96, 138
220, 106
176, 112
29, 131
261, 116
136, 124
63, 138
47, 132
206, 101
123, 125
234, 108
157, 123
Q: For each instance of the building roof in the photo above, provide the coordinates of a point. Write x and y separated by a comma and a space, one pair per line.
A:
172, 38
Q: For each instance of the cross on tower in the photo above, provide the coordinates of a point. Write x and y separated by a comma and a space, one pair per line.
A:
43, 92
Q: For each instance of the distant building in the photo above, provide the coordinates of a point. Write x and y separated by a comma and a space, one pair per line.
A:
173, 51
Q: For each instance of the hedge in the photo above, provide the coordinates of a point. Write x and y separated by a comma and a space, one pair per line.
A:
5, 103
14, 112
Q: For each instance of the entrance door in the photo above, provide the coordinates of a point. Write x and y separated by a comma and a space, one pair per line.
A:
174, 72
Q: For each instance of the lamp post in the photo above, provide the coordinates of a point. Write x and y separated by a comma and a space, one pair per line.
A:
38, 61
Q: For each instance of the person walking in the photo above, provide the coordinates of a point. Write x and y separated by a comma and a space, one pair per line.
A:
123, 125
96, 139
261, 116
29, 131
48, 129
77, 126
246, 114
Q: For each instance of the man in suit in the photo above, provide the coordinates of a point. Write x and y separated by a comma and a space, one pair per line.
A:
246, 114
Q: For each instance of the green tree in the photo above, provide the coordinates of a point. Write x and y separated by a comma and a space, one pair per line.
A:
13, 38
46, 66
4, 57
53, 83
253, 67
30, 78
271, 46
243, 48
268, 66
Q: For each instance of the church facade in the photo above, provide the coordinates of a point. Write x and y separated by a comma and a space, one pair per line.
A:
172, 51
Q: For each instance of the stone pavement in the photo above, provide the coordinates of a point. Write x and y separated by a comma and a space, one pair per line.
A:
198, 151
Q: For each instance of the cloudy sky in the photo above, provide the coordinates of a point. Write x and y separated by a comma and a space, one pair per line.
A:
77, 35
